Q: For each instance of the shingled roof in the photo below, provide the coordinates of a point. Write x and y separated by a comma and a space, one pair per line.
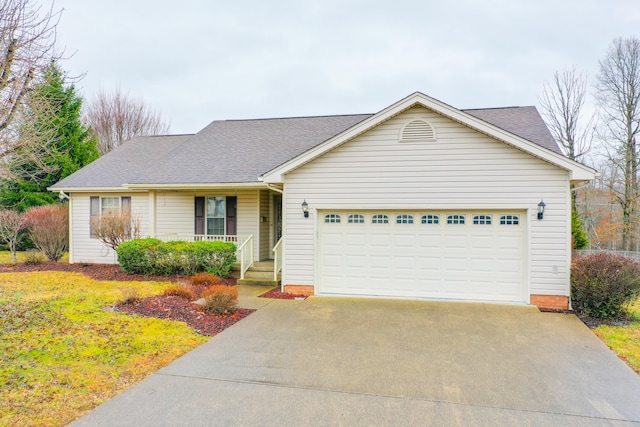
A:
239, 151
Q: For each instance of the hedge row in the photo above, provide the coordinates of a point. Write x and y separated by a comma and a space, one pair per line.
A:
154, 257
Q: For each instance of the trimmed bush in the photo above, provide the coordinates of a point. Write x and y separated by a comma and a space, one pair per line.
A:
182, 290
220, 299
151, 256
205, 279
134, 256
603, 284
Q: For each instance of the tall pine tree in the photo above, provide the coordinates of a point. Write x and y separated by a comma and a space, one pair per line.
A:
52, 113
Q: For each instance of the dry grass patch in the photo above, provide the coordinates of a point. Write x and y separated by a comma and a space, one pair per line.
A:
62, 354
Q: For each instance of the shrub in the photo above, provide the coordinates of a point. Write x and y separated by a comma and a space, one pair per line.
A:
34, 258
151, 256
49, 229
603, 284
130, 294
220, 299
12, 224
134, 255
182, 290
206, 279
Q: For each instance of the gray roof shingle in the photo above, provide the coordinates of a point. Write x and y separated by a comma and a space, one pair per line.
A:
239, 151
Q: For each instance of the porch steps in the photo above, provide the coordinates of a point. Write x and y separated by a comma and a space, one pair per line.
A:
260, 274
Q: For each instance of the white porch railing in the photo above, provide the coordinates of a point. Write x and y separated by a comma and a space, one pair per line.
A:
246, 255
277, 259
240, 241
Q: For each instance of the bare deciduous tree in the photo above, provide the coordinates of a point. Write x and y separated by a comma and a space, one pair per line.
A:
113, 228
618, 95
116, 117
27, 48
562, 103
12, 224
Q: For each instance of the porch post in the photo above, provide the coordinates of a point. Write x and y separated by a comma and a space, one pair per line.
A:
152, 213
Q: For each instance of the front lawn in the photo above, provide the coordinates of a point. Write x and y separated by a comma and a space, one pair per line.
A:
624, 339
62, 352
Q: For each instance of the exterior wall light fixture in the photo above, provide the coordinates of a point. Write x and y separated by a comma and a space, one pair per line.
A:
305, 209
541, 206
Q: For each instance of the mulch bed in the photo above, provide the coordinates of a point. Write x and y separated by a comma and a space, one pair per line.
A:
276, 294
161, 306
181, 310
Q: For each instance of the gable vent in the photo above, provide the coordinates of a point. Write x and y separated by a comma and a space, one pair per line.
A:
417, 130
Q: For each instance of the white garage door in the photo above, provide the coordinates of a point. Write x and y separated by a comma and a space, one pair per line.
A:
446, 254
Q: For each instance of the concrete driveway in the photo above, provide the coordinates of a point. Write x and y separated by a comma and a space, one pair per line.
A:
370, 362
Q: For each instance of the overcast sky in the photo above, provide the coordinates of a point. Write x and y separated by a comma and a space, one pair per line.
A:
199, 61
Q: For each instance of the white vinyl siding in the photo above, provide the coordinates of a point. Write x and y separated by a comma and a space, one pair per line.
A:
462, 170
91, 250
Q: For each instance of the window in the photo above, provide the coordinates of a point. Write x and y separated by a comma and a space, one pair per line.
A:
509, 220
404, 219
430, 219
380, 219
332, 219
109, 206
101, 206
215, 216
482, 219
356, 219
455, 219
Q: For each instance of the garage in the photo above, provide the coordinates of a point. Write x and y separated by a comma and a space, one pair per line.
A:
466, 255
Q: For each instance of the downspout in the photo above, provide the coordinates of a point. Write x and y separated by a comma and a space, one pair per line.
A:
63, 196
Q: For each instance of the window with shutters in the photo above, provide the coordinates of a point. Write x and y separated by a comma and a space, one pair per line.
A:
216, 209
107, 206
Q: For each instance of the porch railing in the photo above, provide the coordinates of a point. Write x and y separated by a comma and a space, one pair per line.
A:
246, 255
277, 259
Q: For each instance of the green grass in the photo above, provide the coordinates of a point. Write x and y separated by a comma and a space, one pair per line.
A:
7, 258
624, 340
62, 353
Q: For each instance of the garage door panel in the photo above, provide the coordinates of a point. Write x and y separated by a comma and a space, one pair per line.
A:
470, 261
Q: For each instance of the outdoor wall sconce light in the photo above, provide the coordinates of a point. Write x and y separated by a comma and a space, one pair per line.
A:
305, 209
541, 206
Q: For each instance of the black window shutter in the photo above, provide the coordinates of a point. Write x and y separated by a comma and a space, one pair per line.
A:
199, 217
94, 212
232, 203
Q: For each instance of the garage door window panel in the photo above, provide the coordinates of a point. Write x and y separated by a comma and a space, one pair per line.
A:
430, 219
380, 219
404, 219
455, 220
482, 220
355, 219
509, 220
332, 219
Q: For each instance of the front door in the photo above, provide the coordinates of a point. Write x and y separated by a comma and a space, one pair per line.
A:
277, 218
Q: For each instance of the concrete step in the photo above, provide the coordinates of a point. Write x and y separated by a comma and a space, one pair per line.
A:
262, 266
252, 282
258, 275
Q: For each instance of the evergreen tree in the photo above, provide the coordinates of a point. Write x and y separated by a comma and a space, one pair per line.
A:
53, 113
579, 235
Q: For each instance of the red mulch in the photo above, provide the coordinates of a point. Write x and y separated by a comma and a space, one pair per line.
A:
161, 306
179, 309
275, 293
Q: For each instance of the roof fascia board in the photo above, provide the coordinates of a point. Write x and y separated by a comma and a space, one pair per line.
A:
577, 170
199, 186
